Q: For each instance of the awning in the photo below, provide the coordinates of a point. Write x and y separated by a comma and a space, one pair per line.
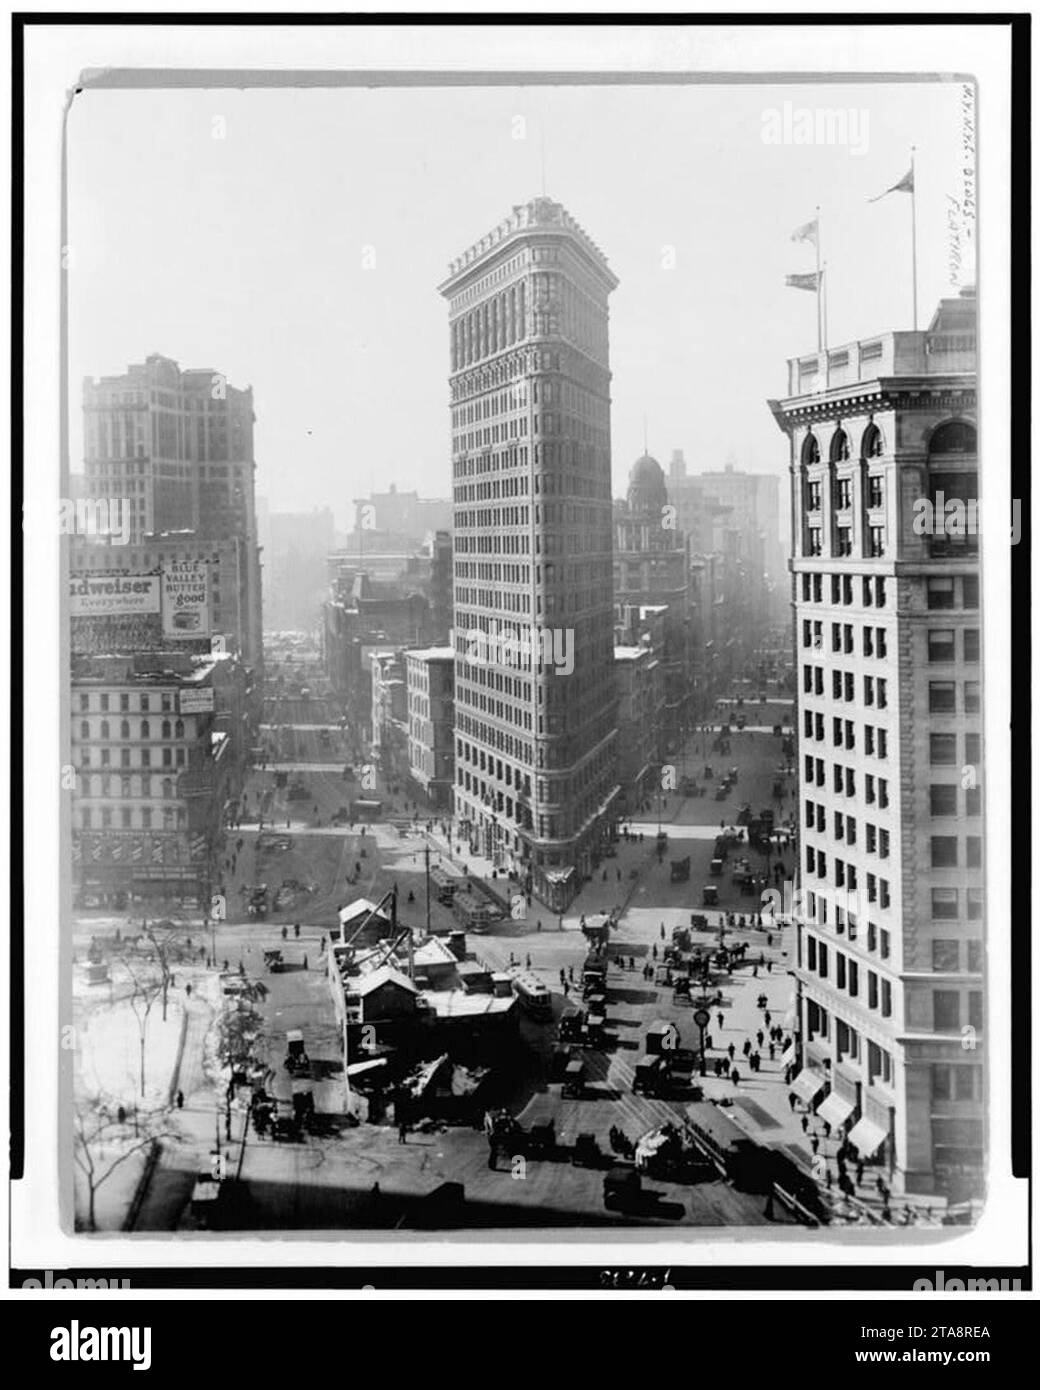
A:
807, 1084
356, 1068
788, 1056
867, 1137
835, 1109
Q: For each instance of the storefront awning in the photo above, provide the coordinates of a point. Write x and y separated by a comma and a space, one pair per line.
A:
867, 1137
788, 1056
835, 1109
807, 1084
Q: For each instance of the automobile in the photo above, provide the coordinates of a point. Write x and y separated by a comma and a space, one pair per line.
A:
561, 1058
647, 1077
574, 1079
586, 1152
715, 867
710, 895
722, 792
622, 1188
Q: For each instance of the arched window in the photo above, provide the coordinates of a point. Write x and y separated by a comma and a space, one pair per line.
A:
178, 728
84, 729
104, 729
124, 729
954, 437
810, 450
166, 728
839, 446
146, 729
873, 445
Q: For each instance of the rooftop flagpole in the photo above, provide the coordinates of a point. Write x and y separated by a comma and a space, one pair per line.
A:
819, 287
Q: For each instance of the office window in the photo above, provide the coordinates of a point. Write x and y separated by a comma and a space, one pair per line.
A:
975, 956
836, 685
850, 686
877, 542
847, 639
975, 1009
972, 697
868, 788
973, 801
970, 591
839, 826
810, 952
940, 593
884, 896
883, 844
871, 838
942, 1081
817, 588
807, 723
868, 692
819, 728
943, 798
839, 971
872, 990
886, 944
974, 904
881, 643
822, 960
846, 588
875, 490
807, 679
838, 777
944, 851
835, 637
973, 852
836, 739
942, 697
882, 792
815, 541
835, 588
871, 888
882, 743
946, 1010
868, 594
942, 749
941, 644
946, 957
972, 749
971, 644
810, 859
944, 904
850, 734
853, 978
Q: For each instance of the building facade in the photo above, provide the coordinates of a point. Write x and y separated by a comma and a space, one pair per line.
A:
890, 960
431, 723
177, 446
535, 765
159, 759
651, 570
640, 688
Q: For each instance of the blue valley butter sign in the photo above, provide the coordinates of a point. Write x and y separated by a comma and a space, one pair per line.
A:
185, 598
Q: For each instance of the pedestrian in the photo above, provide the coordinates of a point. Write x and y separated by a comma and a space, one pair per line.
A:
662, 931
747, 1047
769, 967
754, 973
732, 1051
769, 1018
528, 961
734, 1076
653, 952
225, 965
772, 1052
791, 1101
859, 1173
720, 1019
570, 973
285, 933
187, 990
566, 989
180, 1100
826, 1129
760, 1037
631, 962
296, 930
830, 1178
539, 926
402, 1133
805, 1124
305, 962
815, 1144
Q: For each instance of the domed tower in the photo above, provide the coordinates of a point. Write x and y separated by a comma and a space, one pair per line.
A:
647, 492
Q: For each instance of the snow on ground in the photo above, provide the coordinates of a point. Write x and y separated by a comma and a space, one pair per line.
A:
108, 1047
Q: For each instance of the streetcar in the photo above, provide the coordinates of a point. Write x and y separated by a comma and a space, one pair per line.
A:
534, 997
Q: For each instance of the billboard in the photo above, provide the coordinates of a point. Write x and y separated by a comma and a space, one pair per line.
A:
198, 701
185, 598
93, 595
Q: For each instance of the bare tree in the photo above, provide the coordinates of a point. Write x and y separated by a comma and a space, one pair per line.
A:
103, 1141
169, 940
145, 988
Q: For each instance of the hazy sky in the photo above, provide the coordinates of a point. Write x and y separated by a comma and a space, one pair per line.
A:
248, 253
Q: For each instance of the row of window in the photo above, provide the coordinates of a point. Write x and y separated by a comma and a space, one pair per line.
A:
102, 757
872, 589
102, 702
841, 493
843, 686
942, 697
942, 644
874, 639
173, 818
945, 850
167, 729
842, 544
